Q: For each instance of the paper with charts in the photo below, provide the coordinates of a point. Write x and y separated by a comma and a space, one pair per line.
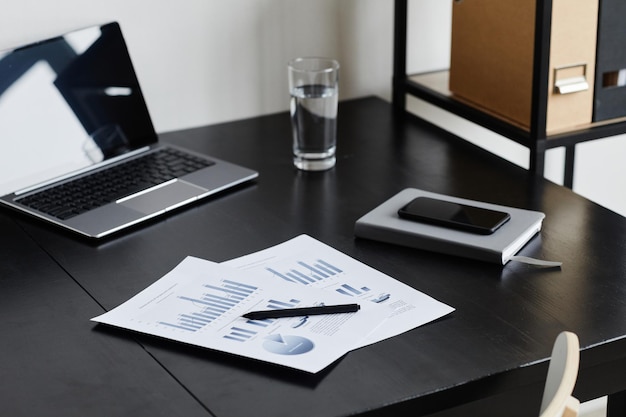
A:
201, 303
310, 263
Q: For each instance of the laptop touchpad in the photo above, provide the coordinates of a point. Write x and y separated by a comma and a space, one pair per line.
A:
164, 197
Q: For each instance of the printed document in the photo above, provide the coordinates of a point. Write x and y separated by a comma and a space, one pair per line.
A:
310, 263
202, 303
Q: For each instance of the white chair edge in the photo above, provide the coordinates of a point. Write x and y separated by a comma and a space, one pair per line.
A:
562, 374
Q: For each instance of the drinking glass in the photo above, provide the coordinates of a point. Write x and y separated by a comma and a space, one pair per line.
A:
313, 87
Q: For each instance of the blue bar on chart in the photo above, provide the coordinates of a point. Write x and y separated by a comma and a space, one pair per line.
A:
239, 334
306, 273
210, 305
235, 290
182, 326
346, 289
260, 323
276, 305
332, 270
301, 278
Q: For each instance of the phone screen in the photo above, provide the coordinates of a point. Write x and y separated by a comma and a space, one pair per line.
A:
454, 215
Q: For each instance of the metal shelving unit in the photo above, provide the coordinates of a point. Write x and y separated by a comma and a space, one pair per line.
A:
535, 139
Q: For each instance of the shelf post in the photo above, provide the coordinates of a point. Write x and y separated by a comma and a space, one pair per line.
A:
537, 159
539, 100
570, 156
399, 55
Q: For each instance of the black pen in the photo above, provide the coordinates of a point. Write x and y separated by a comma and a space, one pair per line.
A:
303, 311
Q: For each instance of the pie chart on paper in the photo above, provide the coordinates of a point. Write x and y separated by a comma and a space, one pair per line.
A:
287, 345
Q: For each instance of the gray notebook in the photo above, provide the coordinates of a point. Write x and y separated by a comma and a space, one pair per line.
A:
384, 224
78, 146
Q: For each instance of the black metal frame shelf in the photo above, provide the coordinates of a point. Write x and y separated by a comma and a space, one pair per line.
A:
535, 139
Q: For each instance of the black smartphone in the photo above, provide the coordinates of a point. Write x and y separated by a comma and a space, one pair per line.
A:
454, 215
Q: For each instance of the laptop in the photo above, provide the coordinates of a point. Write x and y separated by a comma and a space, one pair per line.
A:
78, 148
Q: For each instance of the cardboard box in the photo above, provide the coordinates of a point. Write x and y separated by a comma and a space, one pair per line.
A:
491, 65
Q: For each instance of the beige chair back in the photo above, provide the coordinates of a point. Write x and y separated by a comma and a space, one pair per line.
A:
557, 400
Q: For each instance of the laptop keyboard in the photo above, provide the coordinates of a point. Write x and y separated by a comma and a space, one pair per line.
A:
89, 192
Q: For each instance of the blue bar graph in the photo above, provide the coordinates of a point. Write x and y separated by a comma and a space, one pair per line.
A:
239, 334
181, 326
275, 304
317, 273
333, 268
346, 289
301, 278
306, 273
210, 305
260, 323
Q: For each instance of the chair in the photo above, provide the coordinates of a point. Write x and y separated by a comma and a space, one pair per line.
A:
557, 400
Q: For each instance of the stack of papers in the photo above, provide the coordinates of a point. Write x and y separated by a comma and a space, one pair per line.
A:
202, 303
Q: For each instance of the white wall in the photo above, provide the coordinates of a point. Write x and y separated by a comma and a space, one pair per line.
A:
208, 61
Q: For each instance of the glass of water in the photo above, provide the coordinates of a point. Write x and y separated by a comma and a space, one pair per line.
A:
313, 86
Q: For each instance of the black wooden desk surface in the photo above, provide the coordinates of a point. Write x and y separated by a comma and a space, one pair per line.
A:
492, 348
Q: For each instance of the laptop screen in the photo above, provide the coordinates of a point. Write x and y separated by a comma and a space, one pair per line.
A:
68, 103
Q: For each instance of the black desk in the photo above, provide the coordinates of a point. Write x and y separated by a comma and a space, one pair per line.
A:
492, 349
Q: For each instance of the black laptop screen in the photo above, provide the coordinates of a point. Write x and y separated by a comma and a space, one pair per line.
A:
67, 103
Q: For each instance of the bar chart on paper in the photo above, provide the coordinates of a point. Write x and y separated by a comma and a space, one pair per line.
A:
322, 272
305, 272
276, 343
202, 306
246, 331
